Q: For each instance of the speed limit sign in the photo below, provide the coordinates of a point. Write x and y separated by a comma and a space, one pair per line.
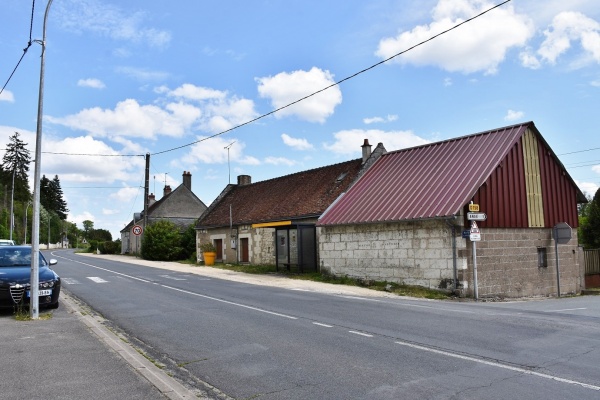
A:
137, 230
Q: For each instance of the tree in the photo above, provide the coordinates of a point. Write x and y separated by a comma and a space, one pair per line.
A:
590, 224
101, 235
51, 196
16, 161
161, 242
88, 226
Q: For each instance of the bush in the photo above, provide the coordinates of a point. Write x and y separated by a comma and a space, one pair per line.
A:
161, 242
109, 247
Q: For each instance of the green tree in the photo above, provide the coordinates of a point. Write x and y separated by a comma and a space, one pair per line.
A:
88, 226
161, 242
101, 235
51, 196
15, 162
188, 243
589, 230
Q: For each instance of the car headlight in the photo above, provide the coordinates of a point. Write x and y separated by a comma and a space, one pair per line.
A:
46, 285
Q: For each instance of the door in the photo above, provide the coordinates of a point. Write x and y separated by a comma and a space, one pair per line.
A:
219, 246
244, 251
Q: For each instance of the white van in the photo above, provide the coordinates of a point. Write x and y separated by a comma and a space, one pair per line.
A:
7, 242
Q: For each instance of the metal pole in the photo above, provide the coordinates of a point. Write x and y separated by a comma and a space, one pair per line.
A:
35, 239
475, 290
12, 201
557, 263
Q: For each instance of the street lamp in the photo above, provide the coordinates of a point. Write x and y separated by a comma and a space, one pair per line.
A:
26, 209
12, 201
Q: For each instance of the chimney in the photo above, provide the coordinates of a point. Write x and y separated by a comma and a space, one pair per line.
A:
244, 180
166, 190
187, 179
366, 150
151, 199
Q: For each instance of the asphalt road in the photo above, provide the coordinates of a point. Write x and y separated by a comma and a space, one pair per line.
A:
253, 341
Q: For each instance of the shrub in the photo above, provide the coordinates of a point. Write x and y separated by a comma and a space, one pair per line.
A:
161, 242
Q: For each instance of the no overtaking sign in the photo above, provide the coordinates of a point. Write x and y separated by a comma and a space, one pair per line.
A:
137, 230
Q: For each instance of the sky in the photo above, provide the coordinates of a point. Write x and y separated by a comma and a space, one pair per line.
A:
181, 80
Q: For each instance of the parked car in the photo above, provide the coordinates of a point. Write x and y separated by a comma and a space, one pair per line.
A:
15, 274
7, 242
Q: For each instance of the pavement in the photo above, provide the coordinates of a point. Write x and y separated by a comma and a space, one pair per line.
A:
70, 353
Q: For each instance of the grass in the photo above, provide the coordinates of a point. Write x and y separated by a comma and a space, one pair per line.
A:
22, 314
395, 288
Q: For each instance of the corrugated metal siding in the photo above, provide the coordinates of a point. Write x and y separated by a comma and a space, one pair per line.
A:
533, 180
559, 194
502, 196
430, 181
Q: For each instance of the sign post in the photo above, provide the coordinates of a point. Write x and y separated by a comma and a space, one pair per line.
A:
475, 237
561, 234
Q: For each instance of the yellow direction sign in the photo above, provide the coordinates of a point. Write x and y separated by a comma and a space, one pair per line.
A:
473, 207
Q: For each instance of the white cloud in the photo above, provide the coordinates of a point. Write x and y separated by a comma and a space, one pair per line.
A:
106, 211
512, 115
130, 119
142, 74
285, 88
109, 21
595, 83
91, 83
220, 111
213, 151
79, 218
7, 95
280, 161
447, 82
373, 120
350, 141
298, 144
480, 45
126, 195
529, 60
567, 27
86, 168
588, 188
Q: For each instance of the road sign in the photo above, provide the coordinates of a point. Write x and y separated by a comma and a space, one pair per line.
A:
473, 207
476, 216
137, 230
475, 235
562, 233
466, 233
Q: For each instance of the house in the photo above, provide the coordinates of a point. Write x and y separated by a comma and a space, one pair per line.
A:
405, 219
272, 222
180, 206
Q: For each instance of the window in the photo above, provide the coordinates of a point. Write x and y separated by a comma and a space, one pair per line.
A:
542, 257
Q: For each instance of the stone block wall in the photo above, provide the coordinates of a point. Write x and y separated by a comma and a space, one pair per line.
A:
507, 264
414, 253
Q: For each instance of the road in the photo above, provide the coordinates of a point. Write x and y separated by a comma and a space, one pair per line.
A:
253, 341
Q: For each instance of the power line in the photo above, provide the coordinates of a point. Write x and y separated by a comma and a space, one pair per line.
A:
337, 83
24, 50
579, 151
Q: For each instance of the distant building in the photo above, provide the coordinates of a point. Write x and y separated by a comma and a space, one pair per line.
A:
180, 206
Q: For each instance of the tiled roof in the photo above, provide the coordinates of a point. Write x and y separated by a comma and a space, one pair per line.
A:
301, 195
430, 181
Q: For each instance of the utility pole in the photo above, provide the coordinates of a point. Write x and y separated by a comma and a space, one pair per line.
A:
146, 180
12, 202
35, 233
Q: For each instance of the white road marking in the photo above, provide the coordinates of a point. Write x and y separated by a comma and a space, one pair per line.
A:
325, 325
229, 302
567, 309
173, 278
70, 281
361, 333
499, 365
358, 298
97, 279
301, 290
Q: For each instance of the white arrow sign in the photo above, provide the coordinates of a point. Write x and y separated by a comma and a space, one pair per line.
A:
472, 216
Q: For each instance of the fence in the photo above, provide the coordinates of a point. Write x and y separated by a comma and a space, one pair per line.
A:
592, 261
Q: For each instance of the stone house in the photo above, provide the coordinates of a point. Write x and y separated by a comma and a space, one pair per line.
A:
405, 220
272, 222
180, 206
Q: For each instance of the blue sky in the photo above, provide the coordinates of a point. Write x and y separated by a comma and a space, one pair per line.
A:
137, 77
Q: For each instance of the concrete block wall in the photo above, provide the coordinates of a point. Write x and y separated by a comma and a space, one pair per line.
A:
507, 264
414, 253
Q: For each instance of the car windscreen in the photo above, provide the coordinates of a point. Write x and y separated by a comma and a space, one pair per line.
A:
17, 257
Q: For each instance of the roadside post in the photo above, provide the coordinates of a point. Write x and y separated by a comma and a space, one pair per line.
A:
475, 235
562, 234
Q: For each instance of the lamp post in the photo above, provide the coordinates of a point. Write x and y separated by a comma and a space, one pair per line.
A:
25, 236
35, 236
12, 202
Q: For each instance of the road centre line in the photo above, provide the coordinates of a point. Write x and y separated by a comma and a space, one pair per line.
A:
499, 365
360, 333
229, 302
567, 309
325, 325
104, 269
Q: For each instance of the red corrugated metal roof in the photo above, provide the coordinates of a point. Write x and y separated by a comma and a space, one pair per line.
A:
430, 181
